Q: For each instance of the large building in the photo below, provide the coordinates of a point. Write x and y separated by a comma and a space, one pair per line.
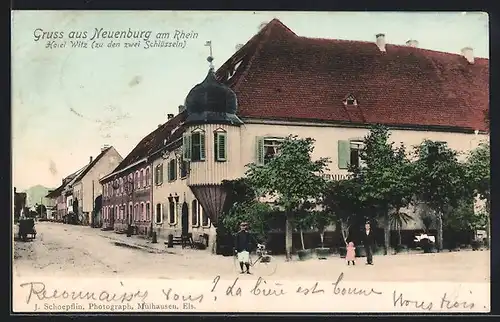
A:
80, 193
278, 84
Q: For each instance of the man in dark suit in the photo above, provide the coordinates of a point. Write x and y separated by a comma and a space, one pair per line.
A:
368, 242
243, 244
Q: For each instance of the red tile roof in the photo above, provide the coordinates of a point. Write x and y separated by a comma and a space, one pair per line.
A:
284, 76
153, 142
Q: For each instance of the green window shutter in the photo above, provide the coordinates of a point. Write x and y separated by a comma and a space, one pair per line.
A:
169, 171
220, 147
186, 146
161, 173
344, 154
259, 150
202, 146
174, 170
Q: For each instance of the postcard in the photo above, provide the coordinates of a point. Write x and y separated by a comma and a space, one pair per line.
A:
189, 161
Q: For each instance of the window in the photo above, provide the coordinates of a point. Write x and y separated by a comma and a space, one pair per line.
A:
186, 146
171, 213
267, 148
172, 170
195, 219
197, 145
148, 211
143, 212
148, 181
124, 211
220, 145
348, 153
121, 186
141, 179
184, 166
116, 214
159, 213
159, 174
136, 212
130, 213
137, 182
205, 222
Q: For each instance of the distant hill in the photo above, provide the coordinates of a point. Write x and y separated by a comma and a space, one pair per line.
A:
36, 194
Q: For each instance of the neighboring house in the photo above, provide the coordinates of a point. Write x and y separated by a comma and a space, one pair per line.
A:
58, 196
85, 187
126, 198
281, 84
19, 203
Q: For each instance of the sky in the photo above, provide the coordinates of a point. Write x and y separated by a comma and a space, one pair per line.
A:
69, 102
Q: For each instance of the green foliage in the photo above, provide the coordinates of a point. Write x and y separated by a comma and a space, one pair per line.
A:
478, 170
463, 218
386, 175
256, 214
239, 191
440, 178
291, 177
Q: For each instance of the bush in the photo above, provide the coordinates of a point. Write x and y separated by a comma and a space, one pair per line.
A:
401, 248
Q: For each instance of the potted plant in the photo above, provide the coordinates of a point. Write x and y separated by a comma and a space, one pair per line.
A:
401, 248
321, 220
303, 222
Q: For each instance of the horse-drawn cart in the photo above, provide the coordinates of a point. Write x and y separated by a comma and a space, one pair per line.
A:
27, 229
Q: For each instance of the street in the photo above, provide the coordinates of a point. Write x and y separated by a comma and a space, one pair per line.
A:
80, 251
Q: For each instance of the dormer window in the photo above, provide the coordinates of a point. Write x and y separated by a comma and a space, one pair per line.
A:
350, 100
233, 71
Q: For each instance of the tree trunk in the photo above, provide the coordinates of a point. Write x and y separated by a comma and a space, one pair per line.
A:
322, 236
288, 235
439, 239
302, 239
387, 234
399, 235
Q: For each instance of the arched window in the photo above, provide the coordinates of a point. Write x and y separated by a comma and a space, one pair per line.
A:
124, 211
130, 213
159, 213
195, 218
143, 212
137, 182
136, 212
116, 214
148, 211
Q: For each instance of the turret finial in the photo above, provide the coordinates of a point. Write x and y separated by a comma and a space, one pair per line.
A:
210, 58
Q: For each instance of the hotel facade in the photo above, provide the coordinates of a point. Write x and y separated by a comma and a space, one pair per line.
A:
281, 84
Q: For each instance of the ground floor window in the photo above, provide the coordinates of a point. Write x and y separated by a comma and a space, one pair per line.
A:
159, 213
148, 212
171, 212
195, 215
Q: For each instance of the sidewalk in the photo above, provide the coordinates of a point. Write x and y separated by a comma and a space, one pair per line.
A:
145, 244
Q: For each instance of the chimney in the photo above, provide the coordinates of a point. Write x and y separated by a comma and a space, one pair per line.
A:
91, 159
380, 41
238, 47
104, 147
412, 43
170, 116
468, 53
160, 125
262, 25
181, 108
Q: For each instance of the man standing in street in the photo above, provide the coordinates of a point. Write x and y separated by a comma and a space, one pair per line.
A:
242, 246
368, 242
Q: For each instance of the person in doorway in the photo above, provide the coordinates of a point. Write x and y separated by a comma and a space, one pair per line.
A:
368, 242
242, 246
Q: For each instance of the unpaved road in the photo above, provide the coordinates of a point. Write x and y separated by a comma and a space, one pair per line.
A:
77, 251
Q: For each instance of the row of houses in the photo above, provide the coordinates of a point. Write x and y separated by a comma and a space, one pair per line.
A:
278, 84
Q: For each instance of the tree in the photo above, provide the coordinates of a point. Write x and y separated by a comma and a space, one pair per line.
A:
41, 210
478, 177
385, 176
397, 220
291, 178
440, 180
256, 214
341, 199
